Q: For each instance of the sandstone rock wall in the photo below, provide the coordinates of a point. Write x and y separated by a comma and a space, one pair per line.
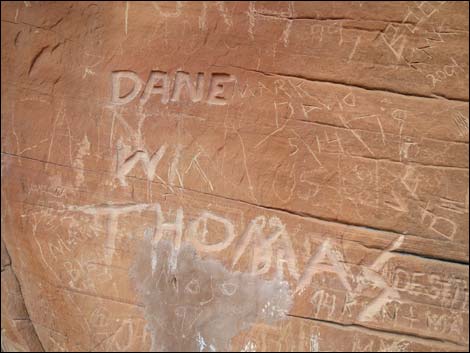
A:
235, 176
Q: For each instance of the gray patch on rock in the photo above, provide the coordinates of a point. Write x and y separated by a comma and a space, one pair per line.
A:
193, 304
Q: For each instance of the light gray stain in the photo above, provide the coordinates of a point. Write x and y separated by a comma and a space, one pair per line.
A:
198, 305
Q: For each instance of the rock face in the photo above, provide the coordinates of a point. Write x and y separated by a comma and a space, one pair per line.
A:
235, 176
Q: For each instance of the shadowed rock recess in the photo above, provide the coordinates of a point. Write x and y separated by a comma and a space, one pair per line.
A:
235, 176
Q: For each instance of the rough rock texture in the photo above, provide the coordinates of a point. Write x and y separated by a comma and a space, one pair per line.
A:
235, 176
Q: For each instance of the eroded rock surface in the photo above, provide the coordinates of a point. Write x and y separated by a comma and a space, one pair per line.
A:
173, 173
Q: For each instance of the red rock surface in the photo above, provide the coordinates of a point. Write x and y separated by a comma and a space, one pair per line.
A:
235, 176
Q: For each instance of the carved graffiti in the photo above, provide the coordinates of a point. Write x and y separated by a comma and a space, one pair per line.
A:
209, 88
